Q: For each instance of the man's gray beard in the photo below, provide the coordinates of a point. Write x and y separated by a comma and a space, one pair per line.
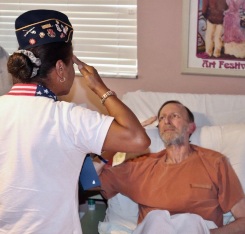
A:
176, 141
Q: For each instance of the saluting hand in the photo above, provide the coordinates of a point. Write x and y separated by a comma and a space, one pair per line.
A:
93, 79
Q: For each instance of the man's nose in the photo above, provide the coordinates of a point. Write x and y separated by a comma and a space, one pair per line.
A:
167, 119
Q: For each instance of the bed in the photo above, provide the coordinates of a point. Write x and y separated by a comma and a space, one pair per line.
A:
220, 121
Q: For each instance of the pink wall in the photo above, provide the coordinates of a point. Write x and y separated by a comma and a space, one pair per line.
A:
159, 60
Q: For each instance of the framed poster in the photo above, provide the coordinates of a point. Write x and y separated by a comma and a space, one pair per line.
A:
216, 48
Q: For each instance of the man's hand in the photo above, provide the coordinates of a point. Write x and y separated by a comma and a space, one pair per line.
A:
149, 121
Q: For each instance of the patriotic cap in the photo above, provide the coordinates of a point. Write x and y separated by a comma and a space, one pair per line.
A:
39, 27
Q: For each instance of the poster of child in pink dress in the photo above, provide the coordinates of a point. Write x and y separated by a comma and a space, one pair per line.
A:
221, 30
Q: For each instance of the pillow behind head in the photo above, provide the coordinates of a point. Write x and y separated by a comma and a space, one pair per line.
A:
156, 142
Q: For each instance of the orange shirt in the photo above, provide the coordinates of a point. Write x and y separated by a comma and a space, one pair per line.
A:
203, 184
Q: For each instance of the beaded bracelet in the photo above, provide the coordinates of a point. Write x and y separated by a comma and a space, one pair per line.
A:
102, 159
106, 95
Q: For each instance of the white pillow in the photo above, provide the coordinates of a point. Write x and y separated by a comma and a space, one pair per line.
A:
224, 117
156, 142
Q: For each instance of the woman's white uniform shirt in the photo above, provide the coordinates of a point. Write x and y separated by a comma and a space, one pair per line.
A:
43, 144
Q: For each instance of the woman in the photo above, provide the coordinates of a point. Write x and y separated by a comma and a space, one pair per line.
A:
43, 142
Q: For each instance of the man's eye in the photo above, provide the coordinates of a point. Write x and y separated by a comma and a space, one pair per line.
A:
161, 118
176, 116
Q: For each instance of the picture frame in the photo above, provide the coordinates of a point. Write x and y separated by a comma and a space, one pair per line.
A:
191, 63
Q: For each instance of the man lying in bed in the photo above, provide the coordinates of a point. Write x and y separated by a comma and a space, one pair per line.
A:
181, 186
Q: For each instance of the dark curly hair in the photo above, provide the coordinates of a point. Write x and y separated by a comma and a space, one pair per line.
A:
21, 67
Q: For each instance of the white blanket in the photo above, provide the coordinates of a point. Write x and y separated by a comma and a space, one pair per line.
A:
161, 222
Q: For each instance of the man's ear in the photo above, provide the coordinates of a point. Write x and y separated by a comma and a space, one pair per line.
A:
192, 127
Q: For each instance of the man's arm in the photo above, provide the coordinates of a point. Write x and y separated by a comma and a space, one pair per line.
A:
236, 227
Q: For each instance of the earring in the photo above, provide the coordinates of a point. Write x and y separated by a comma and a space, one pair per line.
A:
62, 79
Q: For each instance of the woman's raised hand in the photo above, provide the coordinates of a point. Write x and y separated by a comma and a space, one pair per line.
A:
93, 79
